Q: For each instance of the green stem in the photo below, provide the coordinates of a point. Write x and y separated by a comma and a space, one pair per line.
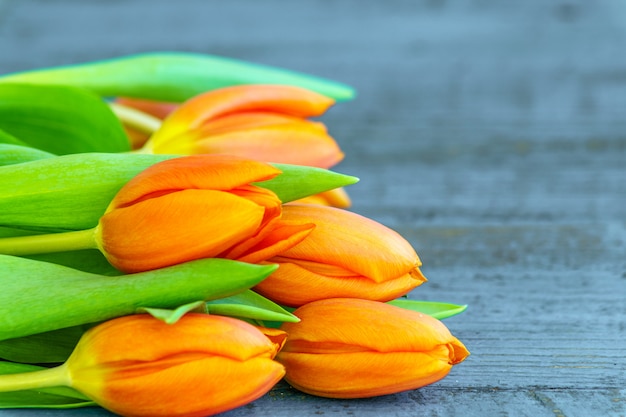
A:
136, 119
53, 242
52, 377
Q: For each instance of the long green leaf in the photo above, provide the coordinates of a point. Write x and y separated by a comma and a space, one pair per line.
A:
59, 119
54, 346
54, 397
71, 192
435, 309
72, 297
5, 137
16, 154
173, 76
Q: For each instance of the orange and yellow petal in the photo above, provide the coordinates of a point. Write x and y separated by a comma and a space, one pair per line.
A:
351, 241
297, 283
191, 388
298, 143
362, 374
281, 237
156, 232
217, 172
291, 100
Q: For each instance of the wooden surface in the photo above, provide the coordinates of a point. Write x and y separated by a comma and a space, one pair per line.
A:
491, 134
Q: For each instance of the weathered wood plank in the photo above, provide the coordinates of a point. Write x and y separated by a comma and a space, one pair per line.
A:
492, 135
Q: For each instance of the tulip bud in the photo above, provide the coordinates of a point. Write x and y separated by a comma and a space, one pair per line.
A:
261, 122
346, 255
201, 365
194, 207
352, 348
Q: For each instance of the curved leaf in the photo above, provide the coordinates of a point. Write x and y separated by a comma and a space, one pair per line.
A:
432, 308
173, 76
60, 119
73, 297
16, 154
250, 305
171, 316
48, 347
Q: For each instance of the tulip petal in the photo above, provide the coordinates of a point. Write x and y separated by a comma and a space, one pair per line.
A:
211, 385
285, 99
246, 121
146, 235
117, 340
405, 330
296, 283
351, 241
363, 374
298, 143
281, 237
215, 172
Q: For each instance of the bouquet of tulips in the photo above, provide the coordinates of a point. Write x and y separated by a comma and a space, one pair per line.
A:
173, 242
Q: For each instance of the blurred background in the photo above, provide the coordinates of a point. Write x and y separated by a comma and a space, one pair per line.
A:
491, 134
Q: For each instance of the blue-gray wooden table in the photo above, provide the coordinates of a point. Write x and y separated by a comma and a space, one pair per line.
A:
491, 134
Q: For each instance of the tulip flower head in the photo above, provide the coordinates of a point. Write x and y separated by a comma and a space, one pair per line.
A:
262, 122
194, 207
202, 365
346, 255
353, 348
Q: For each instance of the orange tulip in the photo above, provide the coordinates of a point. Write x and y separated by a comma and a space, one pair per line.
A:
261, 122
346, 255
352, 348
195, 207
202, 365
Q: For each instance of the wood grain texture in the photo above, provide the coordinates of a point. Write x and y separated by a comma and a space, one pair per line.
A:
492, 135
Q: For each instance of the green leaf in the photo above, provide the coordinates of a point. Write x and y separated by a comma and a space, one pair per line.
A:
432, 308
16, 154
72, 192
60, 119
53, 397
73, 297
10, 139
48, 347
297, 181
170, 316
250, 305
173, 76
